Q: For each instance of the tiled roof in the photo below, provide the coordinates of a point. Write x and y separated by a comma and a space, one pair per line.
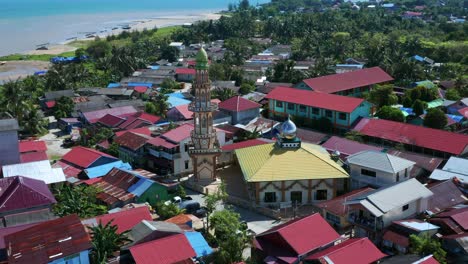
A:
302, 235
141, 130
19, 193
348, 80
48, 241
84, 157
244, 144
359, 250
180, 133
123, 111
30, 146
132, 141
336, 206
315, 99
347, 147
379, 161
125, 219
111, 120
435, 139
269, 163
185, 71
168, 250
238, 104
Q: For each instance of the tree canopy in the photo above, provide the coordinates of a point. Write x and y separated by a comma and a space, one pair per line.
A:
435, 118
391, 113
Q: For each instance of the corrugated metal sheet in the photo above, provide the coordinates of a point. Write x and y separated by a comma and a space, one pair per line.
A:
269, 163
359, 250
166, 250
441, 175
175, 101
39, 170
140, 187
380, 161
102, 170
198, 243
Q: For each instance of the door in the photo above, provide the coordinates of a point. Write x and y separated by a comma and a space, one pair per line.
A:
296, 197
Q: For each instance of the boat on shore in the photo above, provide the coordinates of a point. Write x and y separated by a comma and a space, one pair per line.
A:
126, 27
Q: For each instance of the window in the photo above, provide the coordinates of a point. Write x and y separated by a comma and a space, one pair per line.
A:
302, 108
270, 197
342, 116
368, 173
328, 113
315, 111
332, 218
279, 104
405, 207
185, 147
406, 173
321, 195
397, 176
290, 106
296, 197
186, 164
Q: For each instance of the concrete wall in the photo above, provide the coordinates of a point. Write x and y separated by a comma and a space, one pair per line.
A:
245, 116
396, 214
383, 178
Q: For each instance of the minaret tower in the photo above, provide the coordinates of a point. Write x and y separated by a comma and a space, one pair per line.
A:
205, 143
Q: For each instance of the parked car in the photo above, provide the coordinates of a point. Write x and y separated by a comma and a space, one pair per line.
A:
178, 200
190, 206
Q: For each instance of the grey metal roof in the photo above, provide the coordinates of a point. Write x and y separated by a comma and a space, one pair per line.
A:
379, 161
457, 165
394, 196
57, 94
144, 228
442, 175
9, 124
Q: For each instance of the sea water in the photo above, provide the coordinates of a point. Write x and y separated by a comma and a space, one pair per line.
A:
27, 23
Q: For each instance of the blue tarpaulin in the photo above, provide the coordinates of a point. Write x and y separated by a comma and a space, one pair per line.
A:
113, 85
418, 58
198, 243
178, 95
154, 67
102, 170
132, 84
40, 72
456, 118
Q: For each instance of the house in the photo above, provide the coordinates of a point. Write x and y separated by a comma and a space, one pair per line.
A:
227, 155
427, 260
179, 113
359, 250
24, 201
377, 169
240, 109
310, 136
294, 240
176, 99
342, 111
147, 230
446, 195
397, 235
458, 106
6, 231
38, 170
434, 142
289, 171
63, 240
32, 151
137, 120
168, 153
372, 212
267, 87
132, 147
80, 158
412, 15
185, 74
353, 83
49, 99
186, 220
113, 93
167, 250
425, 164
124, 220
178, 45
93, 116
334, 211
455, 169
346, 147
9, 134
264, 126
342, 68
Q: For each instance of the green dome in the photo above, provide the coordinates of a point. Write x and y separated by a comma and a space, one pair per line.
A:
202, 59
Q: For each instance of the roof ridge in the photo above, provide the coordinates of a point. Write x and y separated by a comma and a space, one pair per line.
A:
10, 190
237, 105
330, 162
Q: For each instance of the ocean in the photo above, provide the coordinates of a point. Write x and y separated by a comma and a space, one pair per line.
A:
24, 24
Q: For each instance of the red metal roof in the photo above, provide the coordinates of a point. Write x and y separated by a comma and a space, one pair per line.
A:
33, 156
114, 186
460, 216
161, 142
335, 205
435, 139
427, 260
180, 133
30, 146
20, 193
50, 104
303, 234
426, 162
463, 112
347, 147
315, 99
84, 157
69, 170
348, 80
111, 120
359, 250
446, 194
185, 71
148, 117
141, 130
184, 111
167, 250
126, 219
4, 231
396, 238
238, 104
48, 241
310, 136
140, 89
244, 144
123, 111
132, 140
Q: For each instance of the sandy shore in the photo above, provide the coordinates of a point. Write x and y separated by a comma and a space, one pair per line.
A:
13, 70
160, 22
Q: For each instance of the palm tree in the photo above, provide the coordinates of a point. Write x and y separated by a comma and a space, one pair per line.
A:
224, 93
14, 99
106, 240
161, 104
79, 200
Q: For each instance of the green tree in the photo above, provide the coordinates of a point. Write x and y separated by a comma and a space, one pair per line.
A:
79, 53
435, 118
452, 94
80, 200
106, 240
160, 105
223, 94
181, 191
390, 113
424, 246
382, 95
418, 107
166, 211
169, 85
99, 49
214, 199
246, 88
169, 53
63, 107
113, 149
354, 136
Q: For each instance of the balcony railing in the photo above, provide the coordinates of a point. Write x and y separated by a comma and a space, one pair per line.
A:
163, 154
369, 222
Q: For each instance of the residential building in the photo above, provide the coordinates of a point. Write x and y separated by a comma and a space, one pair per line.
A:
185, 74
39, 170
240, 109
132, 148
178, 45
345, 147
434, 142
374, 211
93, 116
289, 171
342, 111
24, 201
32, 151
59, 241
147, 230
397, 235
446, 195
9, 136
186, 220
377, 169
168, 153
353, 83
335, 212
425, 164
124, 220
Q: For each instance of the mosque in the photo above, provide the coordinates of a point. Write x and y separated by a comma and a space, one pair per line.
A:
290, 171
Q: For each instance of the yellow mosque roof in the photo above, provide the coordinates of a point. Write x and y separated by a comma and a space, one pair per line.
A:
268, 162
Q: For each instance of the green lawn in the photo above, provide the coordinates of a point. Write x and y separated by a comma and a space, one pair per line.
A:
165, 31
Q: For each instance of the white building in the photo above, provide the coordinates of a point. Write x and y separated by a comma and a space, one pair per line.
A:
178, 45
38, 170
377, 169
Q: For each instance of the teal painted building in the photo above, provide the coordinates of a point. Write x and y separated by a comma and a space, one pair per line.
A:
342, 111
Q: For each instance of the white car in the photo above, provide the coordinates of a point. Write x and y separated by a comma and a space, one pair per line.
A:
175, 200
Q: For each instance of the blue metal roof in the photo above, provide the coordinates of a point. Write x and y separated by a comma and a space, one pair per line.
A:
176, 101
113, 85
198, 243
407, 110
178, 95
154, 67
102, 170
359, 66
140, 187
418, 58
131, 84
456, 118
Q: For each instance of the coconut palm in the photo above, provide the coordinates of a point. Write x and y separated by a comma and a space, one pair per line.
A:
106, 240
